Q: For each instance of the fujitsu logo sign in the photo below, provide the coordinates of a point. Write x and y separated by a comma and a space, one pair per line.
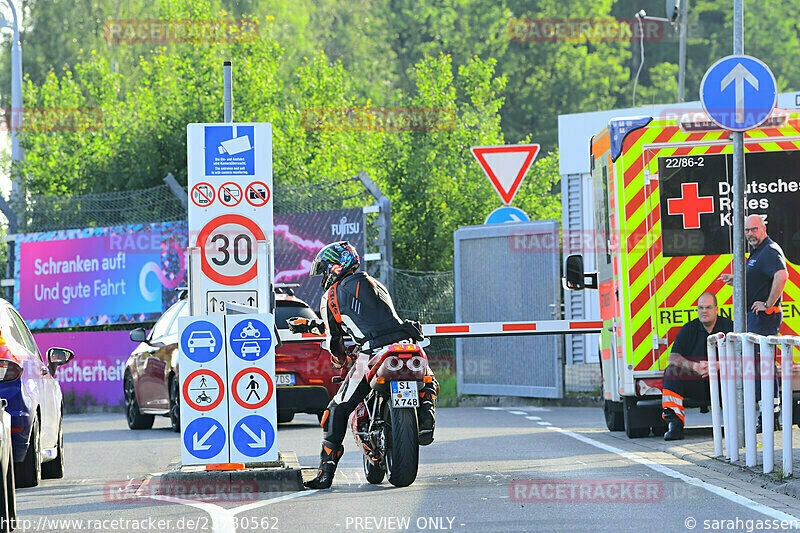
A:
344, 228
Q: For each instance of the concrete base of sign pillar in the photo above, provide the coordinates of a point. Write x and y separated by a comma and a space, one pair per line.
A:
188, 482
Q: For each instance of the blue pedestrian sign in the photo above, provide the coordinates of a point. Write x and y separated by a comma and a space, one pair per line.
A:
738, 92
201, 341
230, 151
250, 339
204, 438
505, 214
253, 436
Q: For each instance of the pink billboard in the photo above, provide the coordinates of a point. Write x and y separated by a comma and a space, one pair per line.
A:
95, 376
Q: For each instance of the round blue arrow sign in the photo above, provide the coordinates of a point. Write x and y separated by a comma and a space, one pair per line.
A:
253, 435
738, 92
505, 214
204, 437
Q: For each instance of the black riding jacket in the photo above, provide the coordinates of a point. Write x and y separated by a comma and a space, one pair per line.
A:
360, 306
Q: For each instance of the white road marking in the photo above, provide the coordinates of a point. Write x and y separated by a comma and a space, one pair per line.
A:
221, 518
533, 417
719, 491
518, 412
544, 423
494, 408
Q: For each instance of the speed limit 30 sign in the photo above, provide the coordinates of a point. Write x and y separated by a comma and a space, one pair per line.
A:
230, 158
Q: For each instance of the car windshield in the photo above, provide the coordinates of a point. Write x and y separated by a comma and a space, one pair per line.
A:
202, 334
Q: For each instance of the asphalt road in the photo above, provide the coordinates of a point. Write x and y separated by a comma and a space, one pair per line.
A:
504, 470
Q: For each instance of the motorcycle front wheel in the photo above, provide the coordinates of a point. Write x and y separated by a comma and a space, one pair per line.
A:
402, 455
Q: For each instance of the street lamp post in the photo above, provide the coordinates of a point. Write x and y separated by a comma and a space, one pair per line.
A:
17, 153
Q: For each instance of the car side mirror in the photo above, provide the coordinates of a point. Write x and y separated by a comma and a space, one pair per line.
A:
575, 278
138, 335
59, 356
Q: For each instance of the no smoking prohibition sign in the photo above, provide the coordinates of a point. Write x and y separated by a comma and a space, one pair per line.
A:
230, 194
257, 194
203, 195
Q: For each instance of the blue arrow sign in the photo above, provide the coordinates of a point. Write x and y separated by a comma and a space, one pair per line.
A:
204, 437
201, 341
505, 214
250, 339
253, 435
738, 92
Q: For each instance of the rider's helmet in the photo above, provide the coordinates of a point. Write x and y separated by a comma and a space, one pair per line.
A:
335, 261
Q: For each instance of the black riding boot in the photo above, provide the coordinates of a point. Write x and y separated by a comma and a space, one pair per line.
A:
675, 431
426, 413
329, 458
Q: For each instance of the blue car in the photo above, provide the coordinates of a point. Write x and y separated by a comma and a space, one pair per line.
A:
27, 383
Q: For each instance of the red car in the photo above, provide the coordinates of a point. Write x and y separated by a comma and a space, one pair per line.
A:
151, 384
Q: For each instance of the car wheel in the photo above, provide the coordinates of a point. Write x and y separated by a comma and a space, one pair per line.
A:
29, 471
54, 469
136, 420
285, 417
174, 404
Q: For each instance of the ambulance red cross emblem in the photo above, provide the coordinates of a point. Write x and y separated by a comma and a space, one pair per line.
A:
690, 205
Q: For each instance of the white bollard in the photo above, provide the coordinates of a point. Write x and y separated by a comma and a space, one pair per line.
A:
767, 403
749, 387
722, 353
786, 403
730, 383
713, 383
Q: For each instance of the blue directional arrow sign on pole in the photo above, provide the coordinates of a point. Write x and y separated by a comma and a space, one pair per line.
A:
204, 438
253, 436
505, 214
738, 92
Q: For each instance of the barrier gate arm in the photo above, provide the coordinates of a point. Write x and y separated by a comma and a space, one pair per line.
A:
484, 329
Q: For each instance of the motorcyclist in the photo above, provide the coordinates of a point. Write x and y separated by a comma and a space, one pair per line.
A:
357, 305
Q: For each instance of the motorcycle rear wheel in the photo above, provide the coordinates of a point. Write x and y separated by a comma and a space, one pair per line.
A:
374, 473
402, 458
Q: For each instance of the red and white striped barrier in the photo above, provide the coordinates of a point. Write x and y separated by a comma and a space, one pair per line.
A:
484, 329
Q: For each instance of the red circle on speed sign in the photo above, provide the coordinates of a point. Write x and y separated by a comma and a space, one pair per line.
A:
202, 239
193, 403
235, 387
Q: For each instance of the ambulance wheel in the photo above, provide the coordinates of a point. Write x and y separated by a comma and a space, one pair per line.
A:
615, 421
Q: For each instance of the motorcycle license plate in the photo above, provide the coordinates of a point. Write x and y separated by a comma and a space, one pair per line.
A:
284, 380
404, 394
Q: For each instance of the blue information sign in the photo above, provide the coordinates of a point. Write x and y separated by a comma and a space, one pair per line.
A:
204, 437
250, 339
253, 435
230, 151
738, 92
201, 341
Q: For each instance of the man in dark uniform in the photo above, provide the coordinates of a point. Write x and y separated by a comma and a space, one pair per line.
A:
359, 306
765, 279
687, 372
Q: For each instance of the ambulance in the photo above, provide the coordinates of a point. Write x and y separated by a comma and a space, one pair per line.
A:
663, 208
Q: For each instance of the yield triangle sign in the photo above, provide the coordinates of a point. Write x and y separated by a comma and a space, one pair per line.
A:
506, 166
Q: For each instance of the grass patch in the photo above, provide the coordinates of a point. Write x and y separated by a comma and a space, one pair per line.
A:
448, 389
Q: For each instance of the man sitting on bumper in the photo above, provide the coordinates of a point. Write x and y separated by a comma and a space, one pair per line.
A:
687, 372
